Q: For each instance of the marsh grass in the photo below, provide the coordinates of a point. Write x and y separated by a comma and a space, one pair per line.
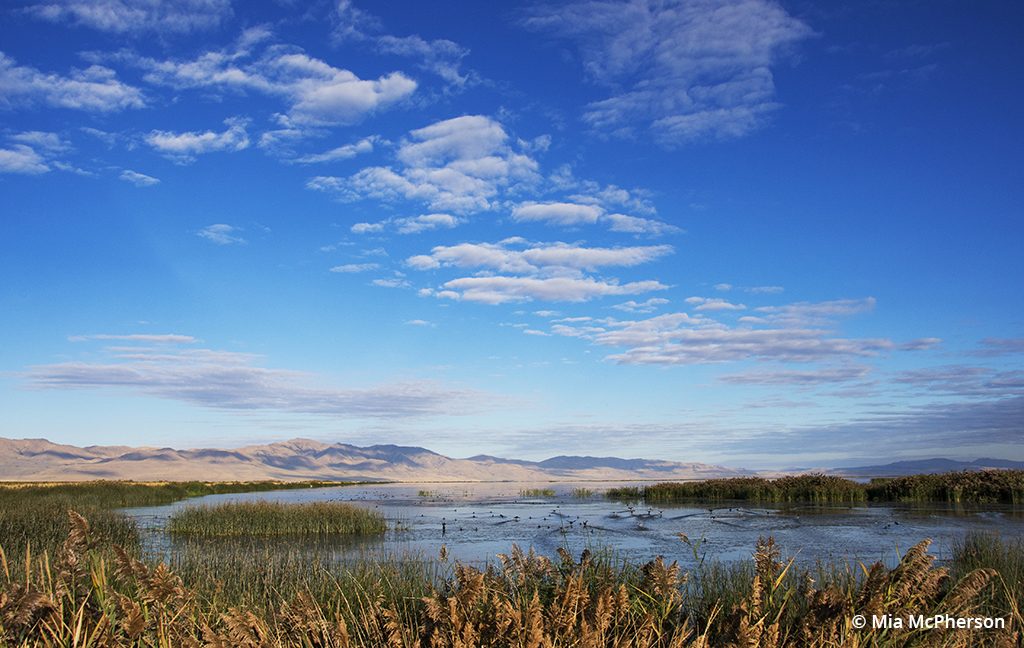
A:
264, 518
582, 493
537, 492
81, 598
34, 516
967, 487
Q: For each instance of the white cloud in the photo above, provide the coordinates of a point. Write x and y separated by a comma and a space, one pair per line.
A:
161, 338
355, 267
122, 16
95, 88
808, 377
233, 381
391, 283
317, 93
556, 258
419, 322
458, 165
343, 152
685, 70
646, 306
425, 222
500, 290
221, 234
681, 338
22, 159
637, 225
550, 271
723, 287
713, 304
367, 228
183, 147
49, 142
558, 213
442, 57
138, 179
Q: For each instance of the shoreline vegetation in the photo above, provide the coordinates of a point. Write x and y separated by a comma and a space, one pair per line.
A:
91, 593
966, 487
71, 579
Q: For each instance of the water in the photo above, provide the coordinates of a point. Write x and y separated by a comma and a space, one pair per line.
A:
477, 521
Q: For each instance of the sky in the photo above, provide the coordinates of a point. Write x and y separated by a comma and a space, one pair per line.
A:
752, 233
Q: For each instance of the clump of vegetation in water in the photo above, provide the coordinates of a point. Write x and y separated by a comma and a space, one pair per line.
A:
582, 493
537, 492
276, 519
967, 487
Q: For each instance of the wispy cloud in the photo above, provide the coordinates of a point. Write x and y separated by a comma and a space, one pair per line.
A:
96, 88
687, 70
139, 179
132, 16
234, 381
221, 234
344, 152
501, 290
350, 268
165, 338
682, 338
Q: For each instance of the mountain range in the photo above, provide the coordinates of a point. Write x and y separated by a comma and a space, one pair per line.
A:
300, 459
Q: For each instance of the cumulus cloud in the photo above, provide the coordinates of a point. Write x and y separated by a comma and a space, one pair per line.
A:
409, 225
221, 234
535, 271
183, 147
22, 159
317, 93
96, 88
646, 306
234, 381
557, 258
124, 16
558, 213
458, 165
683, 70
713, 304
138, 179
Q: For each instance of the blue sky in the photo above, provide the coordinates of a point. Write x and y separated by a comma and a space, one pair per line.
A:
752, 233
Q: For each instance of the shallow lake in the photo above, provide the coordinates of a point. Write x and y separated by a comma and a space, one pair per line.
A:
477, 521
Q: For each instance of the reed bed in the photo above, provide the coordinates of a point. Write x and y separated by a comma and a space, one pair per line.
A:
537, 492
582, 493
276, 519
34, 516
967, 487
79, 597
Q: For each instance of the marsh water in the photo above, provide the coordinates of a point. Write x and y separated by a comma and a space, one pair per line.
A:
476, 521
